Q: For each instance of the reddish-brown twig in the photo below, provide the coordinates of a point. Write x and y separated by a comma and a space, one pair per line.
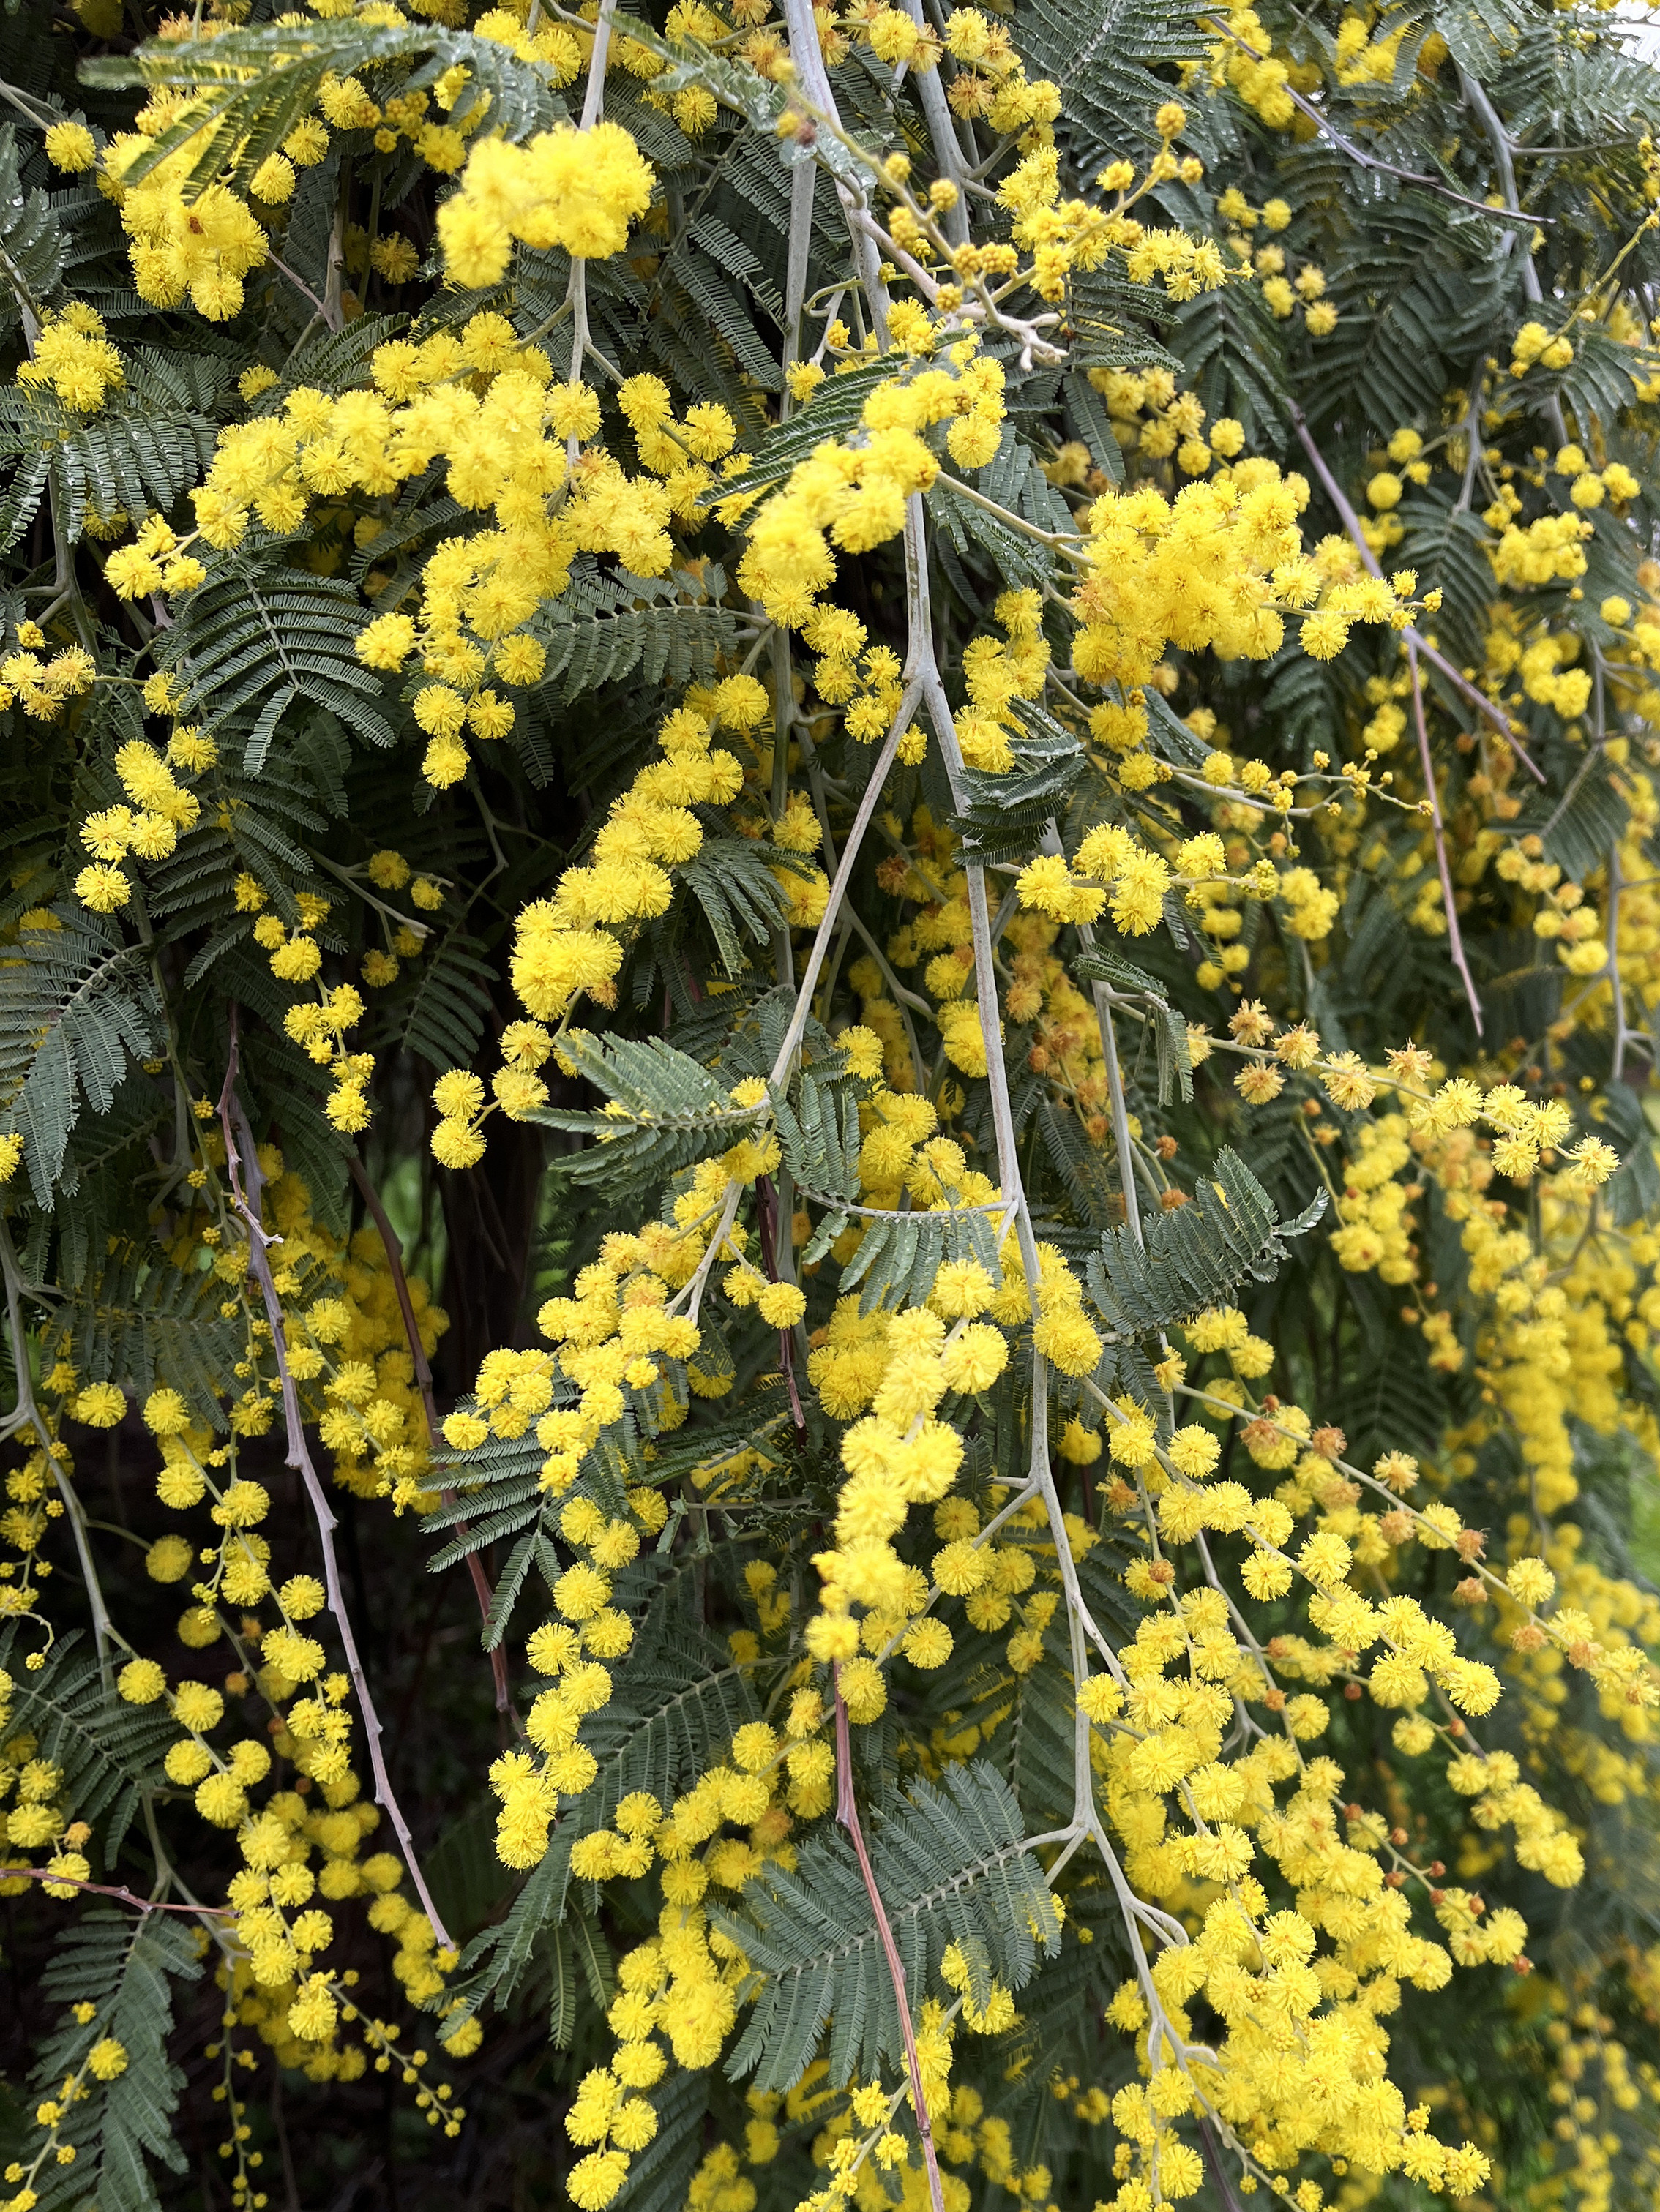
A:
246, 1180
1211, 2151
124, 1896
847, 1813
481, 1581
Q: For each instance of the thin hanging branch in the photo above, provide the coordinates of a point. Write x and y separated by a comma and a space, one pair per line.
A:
1358, 155
847, 1813
247, 1181
121, 1895
1432, 799
1455, 677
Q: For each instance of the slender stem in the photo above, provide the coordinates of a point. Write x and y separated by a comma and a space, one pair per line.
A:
1121, 1125
1455, 677
947, 150
108, 1889
389, 1237
1472, 439
593, 94
333, 308
1211, 2151
247, 1181
1358, 154
1616, 981
27, 1410
300, 285
1474, 95
1455, 936
803, 179
1081, 1623
847, 1813
821, 942
1069, 546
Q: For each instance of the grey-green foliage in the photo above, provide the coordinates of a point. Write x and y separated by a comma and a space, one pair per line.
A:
31, 242
678, 1701
952, 1866
731, 882
128, 1319
258, 635
1014, 482
442, 1002
901, 1250
260, 81
1197, 1256
1168, 1031
667, 1110
605, 628
657, 2177
148, 443
1103, 54
77, 1003
126, 1968
109, 1752
1004, 816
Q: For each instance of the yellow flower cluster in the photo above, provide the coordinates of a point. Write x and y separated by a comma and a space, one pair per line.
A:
197, 245
44, 688
73, 358
577, 190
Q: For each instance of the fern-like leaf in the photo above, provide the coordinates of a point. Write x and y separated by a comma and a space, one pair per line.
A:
107, 1751
951, 1865
75, 1003
258, 635
126, 1969
1196, 1257
138, 1320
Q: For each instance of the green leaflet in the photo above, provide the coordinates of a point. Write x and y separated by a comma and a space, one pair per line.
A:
900, 1252
731, 882
30, 239
259, 634
835, 409
1007, 815
1447, 547
668, 1112
1579, 827
125, 1965
1169, 1028
1103, 58
441, 1001
110, 1752
138, 1321
657, 2180
1015, 482
952, 1866
144, 449
606, 628
1197, 1256
261, 81
76, 1004
679, 1696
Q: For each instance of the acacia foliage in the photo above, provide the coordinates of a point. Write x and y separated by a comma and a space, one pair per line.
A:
974, 695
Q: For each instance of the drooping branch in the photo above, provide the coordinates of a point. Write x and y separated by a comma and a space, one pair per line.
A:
247, 1181
1358, 154
122, 1896
1461, 682
847, 1813
1432, 799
